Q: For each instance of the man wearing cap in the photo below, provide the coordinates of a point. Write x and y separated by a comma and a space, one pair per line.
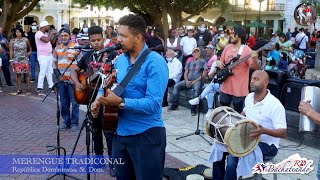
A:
175, 72
275, 37
211, 56
211, 88
273, 54
62, 56
44, 53
194, 71
235, 88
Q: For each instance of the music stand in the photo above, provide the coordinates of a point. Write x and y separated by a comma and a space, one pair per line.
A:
197, 131
58, 147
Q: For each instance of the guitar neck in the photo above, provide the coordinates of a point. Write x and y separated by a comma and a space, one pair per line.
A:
243, 59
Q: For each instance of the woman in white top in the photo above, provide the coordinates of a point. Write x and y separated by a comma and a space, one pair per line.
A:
173, 42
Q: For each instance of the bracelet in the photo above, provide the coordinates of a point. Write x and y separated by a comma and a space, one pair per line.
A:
11, 60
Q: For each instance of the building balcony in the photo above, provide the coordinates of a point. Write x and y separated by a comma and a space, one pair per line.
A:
269, 7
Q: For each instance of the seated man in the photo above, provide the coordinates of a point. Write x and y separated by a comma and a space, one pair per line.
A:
194, 70
209, 91
273, 54
175, 72
266, 110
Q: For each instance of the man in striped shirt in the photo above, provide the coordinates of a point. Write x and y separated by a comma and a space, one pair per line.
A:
63, 56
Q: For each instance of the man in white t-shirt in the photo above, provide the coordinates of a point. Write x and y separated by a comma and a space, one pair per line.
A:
187, 44
268, 112
44, 53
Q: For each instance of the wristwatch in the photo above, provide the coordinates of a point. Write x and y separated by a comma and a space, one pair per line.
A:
122, 104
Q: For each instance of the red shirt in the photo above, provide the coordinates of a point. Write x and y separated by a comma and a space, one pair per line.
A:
251, 41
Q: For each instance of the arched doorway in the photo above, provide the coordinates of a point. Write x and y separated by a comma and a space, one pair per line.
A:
50, 20
28, 20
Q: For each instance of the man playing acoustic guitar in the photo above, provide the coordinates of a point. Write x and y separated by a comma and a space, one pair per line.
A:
235, 88
93, 62
141, 137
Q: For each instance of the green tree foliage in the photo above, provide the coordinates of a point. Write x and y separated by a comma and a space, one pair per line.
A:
154, 11
14, 10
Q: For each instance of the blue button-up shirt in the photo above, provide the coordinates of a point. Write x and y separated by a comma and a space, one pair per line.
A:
143, 94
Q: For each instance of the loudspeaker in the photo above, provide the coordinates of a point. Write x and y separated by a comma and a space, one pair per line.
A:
292, 92
277, 79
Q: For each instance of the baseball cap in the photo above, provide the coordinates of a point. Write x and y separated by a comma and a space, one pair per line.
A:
196, 48
209, 46
44, 23
64, 31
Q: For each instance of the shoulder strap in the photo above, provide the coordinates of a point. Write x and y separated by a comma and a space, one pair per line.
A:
240, 51
136, 66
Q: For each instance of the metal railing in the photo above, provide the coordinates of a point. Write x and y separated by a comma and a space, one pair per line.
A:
270, 7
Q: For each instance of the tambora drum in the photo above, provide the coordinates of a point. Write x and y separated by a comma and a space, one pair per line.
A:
227, 127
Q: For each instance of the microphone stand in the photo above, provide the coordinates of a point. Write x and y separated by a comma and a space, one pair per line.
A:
197, 131
58, 147
87, 122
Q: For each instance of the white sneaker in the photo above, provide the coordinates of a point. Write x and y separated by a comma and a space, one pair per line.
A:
208, 113
194, 101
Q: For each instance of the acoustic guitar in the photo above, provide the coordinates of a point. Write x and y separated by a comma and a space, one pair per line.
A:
110, 113
223, 74
86, 79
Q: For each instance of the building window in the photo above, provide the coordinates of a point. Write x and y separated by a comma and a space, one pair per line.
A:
280, 25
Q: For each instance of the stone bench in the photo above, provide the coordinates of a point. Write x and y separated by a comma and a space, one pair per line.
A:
185, 97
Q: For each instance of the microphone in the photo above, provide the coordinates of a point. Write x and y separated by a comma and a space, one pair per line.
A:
81, 47
116, 46
217, 41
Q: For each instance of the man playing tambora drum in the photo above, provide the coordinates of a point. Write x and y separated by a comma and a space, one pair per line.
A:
266, 110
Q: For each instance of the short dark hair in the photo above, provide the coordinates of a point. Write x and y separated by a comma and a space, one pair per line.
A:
282, 35
95, 30
111, 28
113, 34
20, 30
240, 31
136, 24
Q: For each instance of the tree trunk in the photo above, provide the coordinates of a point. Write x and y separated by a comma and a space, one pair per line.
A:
164, 19
14, 11
176, 19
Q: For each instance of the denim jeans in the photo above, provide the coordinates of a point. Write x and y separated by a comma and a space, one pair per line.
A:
66, 98
143, 155
33, 61
181, 86
210, 90
230, 173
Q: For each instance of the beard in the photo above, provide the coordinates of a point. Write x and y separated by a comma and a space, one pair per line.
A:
255, 89
234, 41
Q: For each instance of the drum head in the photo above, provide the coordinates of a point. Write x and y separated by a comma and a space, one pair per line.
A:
194, 177
238, 140
207, 173
216, 117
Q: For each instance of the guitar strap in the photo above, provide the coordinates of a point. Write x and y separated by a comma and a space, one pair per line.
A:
136, 66
240, 52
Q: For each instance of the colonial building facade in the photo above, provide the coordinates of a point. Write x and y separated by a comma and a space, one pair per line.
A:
58, 12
